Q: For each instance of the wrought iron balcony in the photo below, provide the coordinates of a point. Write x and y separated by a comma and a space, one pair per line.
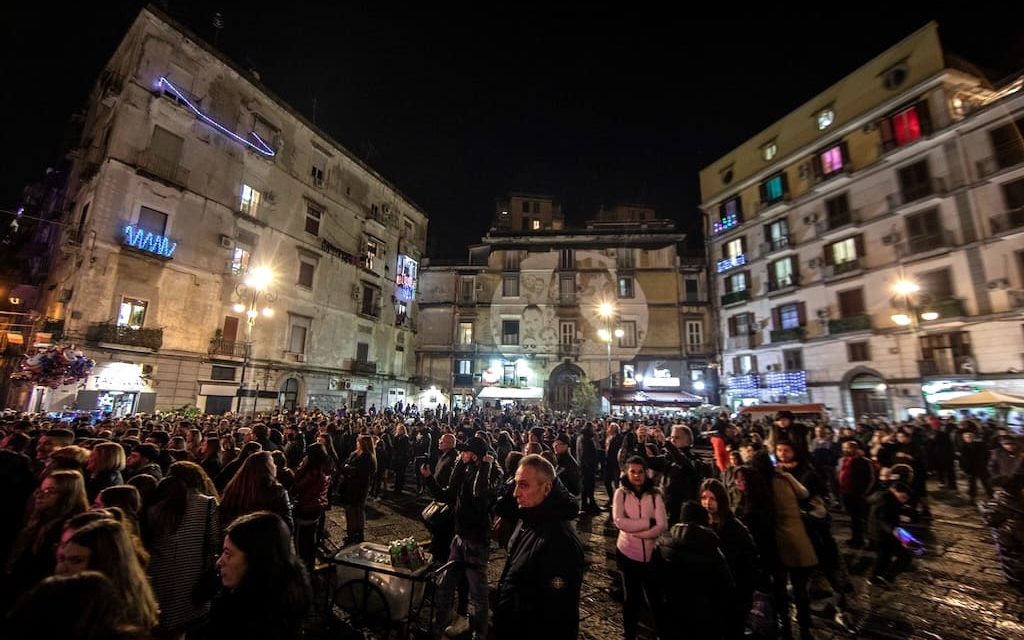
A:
787, 335
226, 348
125, 335
364, 368
568, 350
776, 244
937, 368
748, 341
948, 308
940, 239
860, 322
781, 284
463, 380
169, 171
735, 296
830, 223
1011, 219
841, 268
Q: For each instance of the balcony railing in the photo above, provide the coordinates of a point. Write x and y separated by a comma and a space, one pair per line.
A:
948, 308
463, 380
568, 350
841, 268
124, 335
943, 238
463, 347
743, 342
775, 244
1011, 219
699, 348
919, 191
781, 284
939, 368
860, 322
567, 299
227, 348
833, 222
787, 335
362, 367
735, 296
166, 170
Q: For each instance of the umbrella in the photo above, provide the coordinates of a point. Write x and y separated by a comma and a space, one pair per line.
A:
987, 398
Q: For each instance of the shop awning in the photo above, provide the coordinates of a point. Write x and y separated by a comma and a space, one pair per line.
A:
656, 398
511, 393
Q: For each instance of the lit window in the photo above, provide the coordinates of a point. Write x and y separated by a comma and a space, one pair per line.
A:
240, 258
729, 216
734, 248
510, 332
465, 367
465, 333
250, 200
832, 160
774, 189
625, 287
769, 150
844, 251
132, 313
535, 225
789, 316
825, 119
906, 126
313, 216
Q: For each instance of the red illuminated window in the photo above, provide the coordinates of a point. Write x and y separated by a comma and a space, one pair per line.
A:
906, 127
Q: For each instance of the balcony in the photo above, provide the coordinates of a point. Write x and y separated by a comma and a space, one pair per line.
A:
778, 285
776, 244
914, 245
105, 332
361, 367
833, 222
405, 321
569, 351
226, 348
1011, 219
749, 341
702, 348
788, 335
736, 296
462, 347
948, 308
163, 169
567, 299
463, 380
731, 263
919, 191
938, 368
842, 268
860, 322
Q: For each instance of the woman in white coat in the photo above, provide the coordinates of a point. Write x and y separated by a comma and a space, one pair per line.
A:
638, 511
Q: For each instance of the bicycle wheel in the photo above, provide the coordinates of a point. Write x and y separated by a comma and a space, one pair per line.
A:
365, 605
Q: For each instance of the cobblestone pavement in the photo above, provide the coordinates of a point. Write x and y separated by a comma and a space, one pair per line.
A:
955, 592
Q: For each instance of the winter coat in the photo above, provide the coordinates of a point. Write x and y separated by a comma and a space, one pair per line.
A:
974, 459
586, 453
401, 452
693, 607
310, 493
740, 554
640, 518
683, 476
1003, 464
569, 473
358, 470
102, 480
539, 589
471, 492
794, 545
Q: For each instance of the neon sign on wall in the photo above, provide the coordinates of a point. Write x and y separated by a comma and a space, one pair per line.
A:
259, 144
149, 242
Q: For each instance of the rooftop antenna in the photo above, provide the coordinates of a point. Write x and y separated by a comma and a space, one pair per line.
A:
218, 26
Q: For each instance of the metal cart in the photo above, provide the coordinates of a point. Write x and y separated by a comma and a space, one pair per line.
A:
377, 598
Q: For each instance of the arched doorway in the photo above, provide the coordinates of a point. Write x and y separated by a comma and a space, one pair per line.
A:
289, 394
868, 395
561, 383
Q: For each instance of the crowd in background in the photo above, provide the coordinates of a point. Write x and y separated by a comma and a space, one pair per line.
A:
210, 527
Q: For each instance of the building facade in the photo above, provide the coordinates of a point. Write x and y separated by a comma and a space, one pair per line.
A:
866, 249
539, 307
191, 177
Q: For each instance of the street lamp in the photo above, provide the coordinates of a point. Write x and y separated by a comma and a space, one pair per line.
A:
909, 313
607, 313
256, 284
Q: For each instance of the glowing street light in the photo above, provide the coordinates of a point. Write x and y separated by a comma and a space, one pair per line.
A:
256, 284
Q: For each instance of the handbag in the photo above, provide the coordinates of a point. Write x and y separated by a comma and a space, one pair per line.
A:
208, 583
436, 515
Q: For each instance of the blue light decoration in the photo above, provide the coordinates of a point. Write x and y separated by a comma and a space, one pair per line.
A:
731, 263
259, 145
726, 223
149, 242
785, 383
405, 281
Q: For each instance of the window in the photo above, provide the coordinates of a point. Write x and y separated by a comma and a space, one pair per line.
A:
938, 284
306, 269
837, 210
241, 256
1008, 144
465, 333
567, 259
567, 288
374, 253
692, 289
905, 126
789, 316
263, 129
844, 251
298, 332
915, 181
776, 234
536, 207
250, 203
858, 351
625, 287
694, 334
744, 364
769, 150
737, 282
851, 303
467, 289
370, 301
465, 367
153, 221
512, 260
923, 225
628, 339
566, 332
362, 351
825, 118
832, 159
318, 169
132, 313
792, 359
165, 152
730, 214
625, 259
733, 248
222, 373
741, 324
782, 274
1013, 195
774, 189
313, 216
510, 332
535, 224
526, 206
510, 285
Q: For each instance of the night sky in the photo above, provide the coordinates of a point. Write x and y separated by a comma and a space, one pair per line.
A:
456, 104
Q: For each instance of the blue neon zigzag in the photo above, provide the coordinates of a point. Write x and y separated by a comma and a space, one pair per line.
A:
260, 145
149, 241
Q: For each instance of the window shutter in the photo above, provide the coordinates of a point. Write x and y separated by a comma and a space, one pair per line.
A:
816, 168
732, 326
801, 313
739, 207
776, 319
743, 245
753, 364
924, 117
844, 149
746, 279
785, 185
762, 191
885, 133
736, 365
830, 257
767, 232
858, 243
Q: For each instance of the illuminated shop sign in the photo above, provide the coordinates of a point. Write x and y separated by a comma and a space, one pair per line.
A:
405, 279
149, 242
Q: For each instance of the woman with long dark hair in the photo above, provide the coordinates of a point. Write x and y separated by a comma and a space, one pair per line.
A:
97, 613
265, 590
740, 553
311, 492
610, 469
209, 456
638, 511
183, 535
255, 488
358, 470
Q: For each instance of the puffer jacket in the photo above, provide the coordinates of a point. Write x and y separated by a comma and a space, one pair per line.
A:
640, 518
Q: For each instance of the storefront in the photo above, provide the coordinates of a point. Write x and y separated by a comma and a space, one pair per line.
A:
118, 389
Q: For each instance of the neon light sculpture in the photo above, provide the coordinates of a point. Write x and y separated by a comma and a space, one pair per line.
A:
259, 145
149, 242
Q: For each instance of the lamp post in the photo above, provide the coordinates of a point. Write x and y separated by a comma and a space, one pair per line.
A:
607, 313
256, 284
909, 314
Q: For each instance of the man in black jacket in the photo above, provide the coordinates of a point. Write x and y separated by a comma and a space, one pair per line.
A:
568, 470
539, 589
587, 456
884, 520
681, 469
473, 484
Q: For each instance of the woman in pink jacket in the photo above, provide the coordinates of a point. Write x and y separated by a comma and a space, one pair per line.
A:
639, 514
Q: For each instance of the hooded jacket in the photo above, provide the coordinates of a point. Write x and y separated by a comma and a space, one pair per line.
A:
640, 518
538, 592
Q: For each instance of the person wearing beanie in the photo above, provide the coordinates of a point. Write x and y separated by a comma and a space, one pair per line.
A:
143, 460
567, 469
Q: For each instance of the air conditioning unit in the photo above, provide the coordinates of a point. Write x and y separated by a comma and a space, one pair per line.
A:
810, 219
966, 364
891, 239
148, 370
814, 263
822, 313
998, 283
227, 242
772, 367
355, 292
269, 197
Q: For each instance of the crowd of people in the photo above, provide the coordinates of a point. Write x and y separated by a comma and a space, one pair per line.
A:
211, 527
